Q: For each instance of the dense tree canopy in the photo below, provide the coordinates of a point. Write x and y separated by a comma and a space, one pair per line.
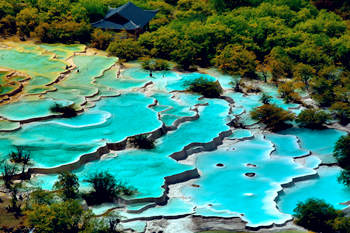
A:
61, 217
318, 216
297, 42
237, 61
342, 155
342, 152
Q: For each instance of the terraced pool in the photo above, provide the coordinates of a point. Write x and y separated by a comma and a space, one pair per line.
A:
218, 170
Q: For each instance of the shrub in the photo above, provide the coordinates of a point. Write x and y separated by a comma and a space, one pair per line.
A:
342, 152
341, 225
160, 64
19, 156
67, 111
126, 49
8, 25
101, 39
155, 64
108, 224
316, 215
344, 177
26, 20
265, 99
7, 173
14, 206
106, 189
272, 116
342, 112
40, 197
68, 216
236, 60
288, 94
68, 185
304, 73
312, 118
142, 142
203, 86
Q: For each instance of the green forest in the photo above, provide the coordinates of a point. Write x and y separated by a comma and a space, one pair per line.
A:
296, 44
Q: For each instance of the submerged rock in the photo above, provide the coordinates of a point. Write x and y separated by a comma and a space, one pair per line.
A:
250, 174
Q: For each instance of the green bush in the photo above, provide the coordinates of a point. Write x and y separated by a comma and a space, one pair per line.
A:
342, 112
105, 188
68, 216
19, 156
236, 60
126, 49
273, 117
342, 155
287, 93
40, 197
312, 118
316, 215
155, 64
7, 172
341, 225
101, 39
265, 99
342, 152
205, 87
68, 185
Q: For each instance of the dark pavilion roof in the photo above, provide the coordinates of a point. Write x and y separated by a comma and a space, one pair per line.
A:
128, 17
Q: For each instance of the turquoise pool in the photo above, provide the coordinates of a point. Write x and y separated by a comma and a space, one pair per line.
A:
241, 175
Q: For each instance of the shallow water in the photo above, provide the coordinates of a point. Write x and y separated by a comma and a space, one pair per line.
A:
286, 145
225, 191
28, 109
227, 188
319, 142
112, 120
325, 187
